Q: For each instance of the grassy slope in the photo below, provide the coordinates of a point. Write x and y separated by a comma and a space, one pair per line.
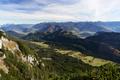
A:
76, 65
75, 54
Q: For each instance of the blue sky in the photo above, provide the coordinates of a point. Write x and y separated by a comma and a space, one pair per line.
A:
35, 11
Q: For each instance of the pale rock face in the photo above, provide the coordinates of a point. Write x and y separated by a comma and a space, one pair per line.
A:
13, 47
2, 64
0, 44
8, 44
30, 59
43, 64
3, 57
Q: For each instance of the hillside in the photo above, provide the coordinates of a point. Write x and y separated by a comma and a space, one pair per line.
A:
89, 46
110, 38
26, 60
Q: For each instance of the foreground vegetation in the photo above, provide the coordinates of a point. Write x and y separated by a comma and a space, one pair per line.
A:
54, 65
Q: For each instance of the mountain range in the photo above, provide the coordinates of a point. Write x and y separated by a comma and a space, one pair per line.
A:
81, 29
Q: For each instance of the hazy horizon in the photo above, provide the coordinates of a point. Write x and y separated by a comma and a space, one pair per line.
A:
15, 23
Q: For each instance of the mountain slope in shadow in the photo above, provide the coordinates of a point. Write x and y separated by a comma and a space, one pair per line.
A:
104, 46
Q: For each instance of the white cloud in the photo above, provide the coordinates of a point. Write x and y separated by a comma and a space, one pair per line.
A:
83, 10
